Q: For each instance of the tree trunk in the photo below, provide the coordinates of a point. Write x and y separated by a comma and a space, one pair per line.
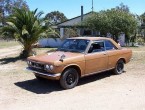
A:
26, 52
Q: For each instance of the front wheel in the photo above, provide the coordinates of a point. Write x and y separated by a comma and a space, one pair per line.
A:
69, 78
119, 68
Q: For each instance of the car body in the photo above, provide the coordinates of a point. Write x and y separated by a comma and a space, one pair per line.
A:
78, 57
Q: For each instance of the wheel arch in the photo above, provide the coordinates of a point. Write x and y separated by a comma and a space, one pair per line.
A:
123, 59
75, 67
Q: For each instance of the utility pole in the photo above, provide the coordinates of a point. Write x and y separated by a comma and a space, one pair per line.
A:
92, 5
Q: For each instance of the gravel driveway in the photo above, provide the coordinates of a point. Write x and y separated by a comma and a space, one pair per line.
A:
19, 90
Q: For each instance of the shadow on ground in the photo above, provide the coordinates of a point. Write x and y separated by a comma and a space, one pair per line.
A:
46, 86
9, 60
95, 77
39, 87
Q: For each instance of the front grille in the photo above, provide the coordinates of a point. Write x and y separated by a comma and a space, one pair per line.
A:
37, 65
40, 72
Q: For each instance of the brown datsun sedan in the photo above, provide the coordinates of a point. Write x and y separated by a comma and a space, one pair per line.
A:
78, 57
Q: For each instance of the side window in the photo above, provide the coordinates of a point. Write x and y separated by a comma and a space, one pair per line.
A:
109, 45
96, 47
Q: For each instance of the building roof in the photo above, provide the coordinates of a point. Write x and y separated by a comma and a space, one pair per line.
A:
74, 21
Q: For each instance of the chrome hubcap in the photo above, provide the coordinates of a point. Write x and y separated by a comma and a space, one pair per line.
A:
70, 79
120, 67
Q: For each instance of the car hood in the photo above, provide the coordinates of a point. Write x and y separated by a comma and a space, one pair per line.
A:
54, 57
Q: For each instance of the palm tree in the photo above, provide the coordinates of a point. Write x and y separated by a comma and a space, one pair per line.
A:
27, 27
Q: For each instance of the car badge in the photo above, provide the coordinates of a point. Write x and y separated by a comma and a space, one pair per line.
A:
62, 57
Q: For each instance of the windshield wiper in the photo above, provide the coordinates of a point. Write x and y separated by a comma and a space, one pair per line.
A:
68, 50
75, 51
62, 49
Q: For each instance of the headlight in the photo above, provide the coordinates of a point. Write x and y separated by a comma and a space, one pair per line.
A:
49, 67
29, 63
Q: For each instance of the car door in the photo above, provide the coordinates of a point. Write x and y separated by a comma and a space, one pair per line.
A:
96, 58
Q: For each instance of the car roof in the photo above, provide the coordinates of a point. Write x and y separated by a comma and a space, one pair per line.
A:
97, 38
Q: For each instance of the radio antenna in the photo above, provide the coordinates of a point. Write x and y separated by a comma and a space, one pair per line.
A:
92, 5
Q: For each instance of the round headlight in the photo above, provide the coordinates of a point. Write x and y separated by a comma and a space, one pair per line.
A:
29, 63
47, 67
51, 67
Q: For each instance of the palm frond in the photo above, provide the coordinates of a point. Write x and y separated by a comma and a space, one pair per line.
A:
28, 27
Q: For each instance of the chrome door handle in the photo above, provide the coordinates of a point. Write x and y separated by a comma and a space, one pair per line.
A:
104, 53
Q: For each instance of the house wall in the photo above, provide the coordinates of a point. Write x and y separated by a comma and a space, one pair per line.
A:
50, 42
122, 39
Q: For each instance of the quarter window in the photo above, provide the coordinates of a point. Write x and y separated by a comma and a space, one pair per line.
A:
109, 45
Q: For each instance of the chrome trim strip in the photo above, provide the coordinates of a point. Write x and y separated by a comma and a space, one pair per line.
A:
96, 72
47, 74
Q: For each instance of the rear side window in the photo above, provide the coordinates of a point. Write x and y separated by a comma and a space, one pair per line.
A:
109, 45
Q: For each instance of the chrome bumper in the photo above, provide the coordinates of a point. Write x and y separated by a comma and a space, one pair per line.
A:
44, 73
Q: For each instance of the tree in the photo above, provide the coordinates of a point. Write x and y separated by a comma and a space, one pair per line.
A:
27, 28
20, 4
112, 21
98, 21
142, 27
56, 17
123, 7
6, 8
142, 17
122, 21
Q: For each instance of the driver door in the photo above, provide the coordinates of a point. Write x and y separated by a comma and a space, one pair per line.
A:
96, 58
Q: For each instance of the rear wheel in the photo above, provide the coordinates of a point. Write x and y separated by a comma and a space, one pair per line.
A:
119, 68
69, 78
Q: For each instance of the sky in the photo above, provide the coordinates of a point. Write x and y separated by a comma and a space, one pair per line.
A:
72, 8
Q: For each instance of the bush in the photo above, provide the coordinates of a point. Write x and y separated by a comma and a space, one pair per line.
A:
140, 41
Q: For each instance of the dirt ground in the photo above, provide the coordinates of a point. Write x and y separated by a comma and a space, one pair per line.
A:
9, 51
19, 90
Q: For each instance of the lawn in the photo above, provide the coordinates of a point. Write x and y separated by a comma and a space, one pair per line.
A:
13, 47
5, 44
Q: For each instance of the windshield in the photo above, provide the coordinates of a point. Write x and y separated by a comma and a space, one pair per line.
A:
74, 45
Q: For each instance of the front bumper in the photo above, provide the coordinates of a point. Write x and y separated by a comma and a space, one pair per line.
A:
47, 75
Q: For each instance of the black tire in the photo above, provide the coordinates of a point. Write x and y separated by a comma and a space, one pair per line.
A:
69, 78
119, 68
39, 78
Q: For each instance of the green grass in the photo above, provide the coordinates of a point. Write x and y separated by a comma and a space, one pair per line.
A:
5, 44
